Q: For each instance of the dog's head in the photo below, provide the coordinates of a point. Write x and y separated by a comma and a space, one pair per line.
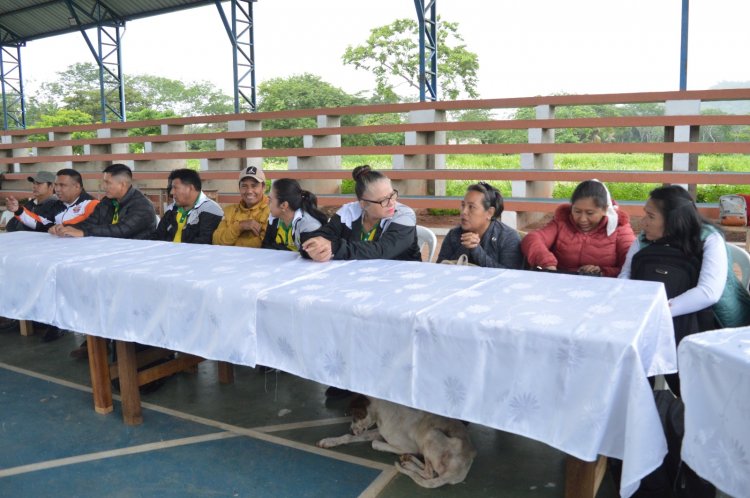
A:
362, 416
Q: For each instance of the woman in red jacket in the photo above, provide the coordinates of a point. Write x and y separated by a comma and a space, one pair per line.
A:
589, 235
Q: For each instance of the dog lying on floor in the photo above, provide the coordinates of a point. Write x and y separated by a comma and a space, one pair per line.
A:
443, 443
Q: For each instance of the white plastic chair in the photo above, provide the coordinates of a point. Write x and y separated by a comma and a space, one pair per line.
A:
741, 258
427, 236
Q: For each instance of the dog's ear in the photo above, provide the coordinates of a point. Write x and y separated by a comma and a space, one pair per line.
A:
358, 406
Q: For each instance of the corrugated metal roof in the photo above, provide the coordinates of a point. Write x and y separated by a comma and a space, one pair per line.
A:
25, 20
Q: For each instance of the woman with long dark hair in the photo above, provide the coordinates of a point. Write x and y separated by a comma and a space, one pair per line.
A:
703, 291
672, 217
294, 212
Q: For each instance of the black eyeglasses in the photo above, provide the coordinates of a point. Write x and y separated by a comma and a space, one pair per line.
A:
386, 201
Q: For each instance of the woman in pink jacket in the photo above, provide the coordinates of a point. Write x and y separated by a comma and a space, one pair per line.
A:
589, 235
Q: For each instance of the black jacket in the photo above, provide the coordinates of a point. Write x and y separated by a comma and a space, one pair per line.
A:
201, 223
137, 218
500, 247
47, 209
395, 237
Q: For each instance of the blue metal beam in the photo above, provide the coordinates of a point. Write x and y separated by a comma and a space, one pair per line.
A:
428, 49
242, 37
108, 55
684, 44
14, 105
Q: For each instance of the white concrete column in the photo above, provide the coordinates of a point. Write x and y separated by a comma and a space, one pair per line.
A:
175, 146
681, 161
22, 152
422, 161
320, 162
533, 161
233, 164
41, 151
120, 148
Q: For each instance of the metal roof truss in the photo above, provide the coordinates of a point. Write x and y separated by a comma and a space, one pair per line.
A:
108, 54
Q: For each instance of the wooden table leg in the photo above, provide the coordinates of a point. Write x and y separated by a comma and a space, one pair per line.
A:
226, 372
99, 368
27, 327
582, 479
129, 394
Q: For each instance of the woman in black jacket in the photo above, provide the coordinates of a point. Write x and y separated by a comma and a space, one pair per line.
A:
376, 226
482, 237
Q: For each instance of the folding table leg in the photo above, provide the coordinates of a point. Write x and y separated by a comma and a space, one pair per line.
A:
127, 366
582, 479
99, 368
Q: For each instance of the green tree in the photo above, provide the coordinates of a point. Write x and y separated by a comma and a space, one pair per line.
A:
304, 91
77, 88
391, 54
64, 117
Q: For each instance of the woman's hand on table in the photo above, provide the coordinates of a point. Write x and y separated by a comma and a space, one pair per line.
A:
318, 248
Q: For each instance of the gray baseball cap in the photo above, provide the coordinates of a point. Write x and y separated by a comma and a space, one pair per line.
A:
42, 177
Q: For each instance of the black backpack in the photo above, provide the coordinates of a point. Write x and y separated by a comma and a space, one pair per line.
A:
663, 262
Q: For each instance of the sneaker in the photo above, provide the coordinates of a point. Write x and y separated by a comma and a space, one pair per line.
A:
337, 393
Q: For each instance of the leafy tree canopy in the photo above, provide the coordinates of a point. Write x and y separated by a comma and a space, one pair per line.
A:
391, 54
303, 91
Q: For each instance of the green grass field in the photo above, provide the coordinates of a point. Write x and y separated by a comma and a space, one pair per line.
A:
563, 190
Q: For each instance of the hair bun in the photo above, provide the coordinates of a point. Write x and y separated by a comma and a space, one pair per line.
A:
360, 171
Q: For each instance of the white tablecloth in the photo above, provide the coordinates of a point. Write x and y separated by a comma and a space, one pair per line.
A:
715, 380
561, 359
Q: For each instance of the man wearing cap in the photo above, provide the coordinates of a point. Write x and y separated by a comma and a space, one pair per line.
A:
74, 206
192, 217
43, 204
244, 224
124, 212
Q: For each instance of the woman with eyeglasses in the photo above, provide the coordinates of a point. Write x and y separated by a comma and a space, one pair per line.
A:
376, 226
481, 236
589, 236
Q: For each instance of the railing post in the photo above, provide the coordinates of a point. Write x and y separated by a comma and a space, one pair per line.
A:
422, 161
24, 152
222, 144
320, 162
536, 189
15, 167
98, 166
682, 161
162, 164
42, 151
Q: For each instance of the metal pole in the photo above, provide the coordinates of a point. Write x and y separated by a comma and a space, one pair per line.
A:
5, 101
684, 45
234, 58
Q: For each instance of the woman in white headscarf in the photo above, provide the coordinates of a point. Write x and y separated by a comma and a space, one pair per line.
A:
589, 235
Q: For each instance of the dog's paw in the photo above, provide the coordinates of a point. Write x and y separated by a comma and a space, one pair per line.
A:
328, 442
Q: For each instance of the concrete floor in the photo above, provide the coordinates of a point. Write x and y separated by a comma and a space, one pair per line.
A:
200, 438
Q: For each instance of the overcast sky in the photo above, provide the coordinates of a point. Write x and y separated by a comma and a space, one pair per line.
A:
525, 48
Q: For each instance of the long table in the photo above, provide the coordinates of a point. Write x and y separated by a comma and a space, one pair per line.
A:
715, 380
557, 358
